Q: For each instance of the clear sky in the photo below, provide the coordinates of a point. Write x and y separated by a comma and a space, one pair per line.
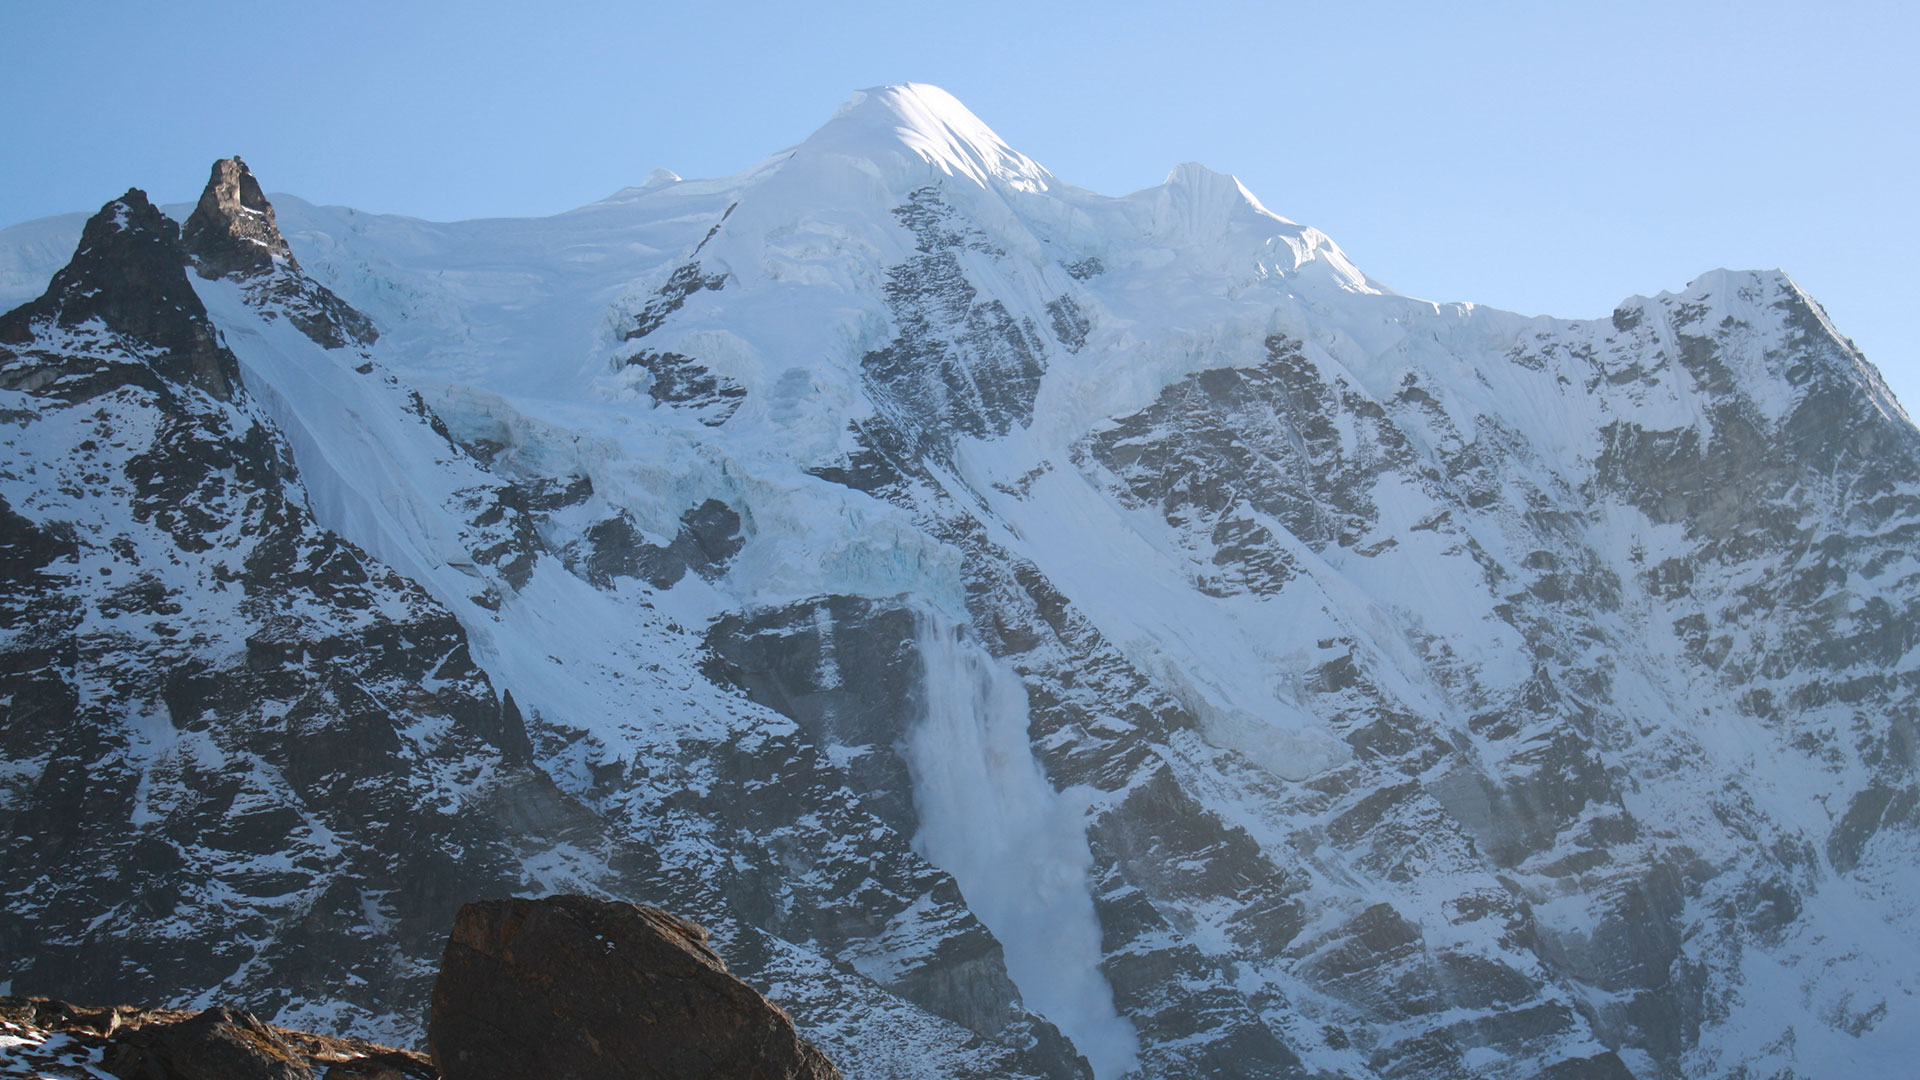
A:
1544, 157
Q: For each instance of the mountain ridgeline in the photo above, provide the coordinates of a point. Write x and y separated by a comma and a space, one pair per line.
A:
1039, 634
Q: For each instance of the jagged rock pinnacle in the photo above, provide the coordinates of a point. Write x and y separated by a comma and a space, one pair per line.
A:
232, 231
232, 234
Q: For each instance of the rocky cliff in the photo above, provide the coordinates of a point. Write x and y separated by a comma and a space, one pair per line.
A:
243, 755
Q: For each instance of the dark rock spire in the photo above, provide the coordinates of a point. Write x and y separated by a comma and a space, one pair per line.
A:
232, 234
129, 273
232, 231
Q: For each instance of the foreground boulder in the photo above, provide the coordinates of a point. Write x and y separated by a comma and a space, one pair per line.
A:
583, 988
567, 987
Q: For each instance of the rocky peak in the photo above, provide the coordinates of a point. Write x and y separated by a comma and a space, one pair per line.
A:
232, 231
232, 234
129, 273
125, 272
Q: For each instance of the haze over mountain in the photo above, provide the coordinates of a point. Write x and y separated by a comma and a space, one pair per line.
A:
1040, 633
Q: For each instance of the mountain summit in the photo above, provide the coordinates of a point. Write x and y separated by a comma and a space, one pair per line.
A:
1041, 634
931, 125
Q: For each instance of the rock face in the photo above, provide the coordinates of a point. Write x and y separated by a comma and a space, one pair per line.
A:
960, 364
232, 231
1041, 633
617, 991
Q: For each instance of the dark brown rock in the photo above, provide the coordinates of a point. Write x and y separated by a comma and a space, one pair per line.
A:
172, 1044
578, 987
218, 1044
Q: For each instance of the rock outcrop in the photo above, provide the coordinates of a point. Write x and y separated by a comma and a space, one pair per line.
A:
46, 1038
625, 992
232, 234
232, 230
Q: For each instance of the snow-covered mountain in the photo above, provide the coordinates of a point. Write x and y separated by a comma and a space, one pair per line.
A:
1040, 633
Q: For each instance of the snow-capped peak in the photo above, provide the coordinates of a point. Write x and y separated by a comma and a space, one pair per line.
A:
1219, 193
660, 178
921, 126
1198, 206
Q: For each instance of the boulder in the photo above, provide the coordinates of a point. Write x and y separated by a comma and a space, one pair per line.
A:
572, 986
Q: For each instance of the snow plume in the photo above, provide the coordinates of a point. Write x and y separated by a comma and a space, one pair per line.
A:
1017, 847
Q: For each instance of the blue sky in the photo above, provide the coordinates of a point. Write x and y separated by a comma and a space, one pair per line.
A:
1548, 158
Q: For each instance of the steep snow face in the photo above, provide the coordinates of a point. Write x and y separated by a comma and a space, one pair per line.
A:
1368, 686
